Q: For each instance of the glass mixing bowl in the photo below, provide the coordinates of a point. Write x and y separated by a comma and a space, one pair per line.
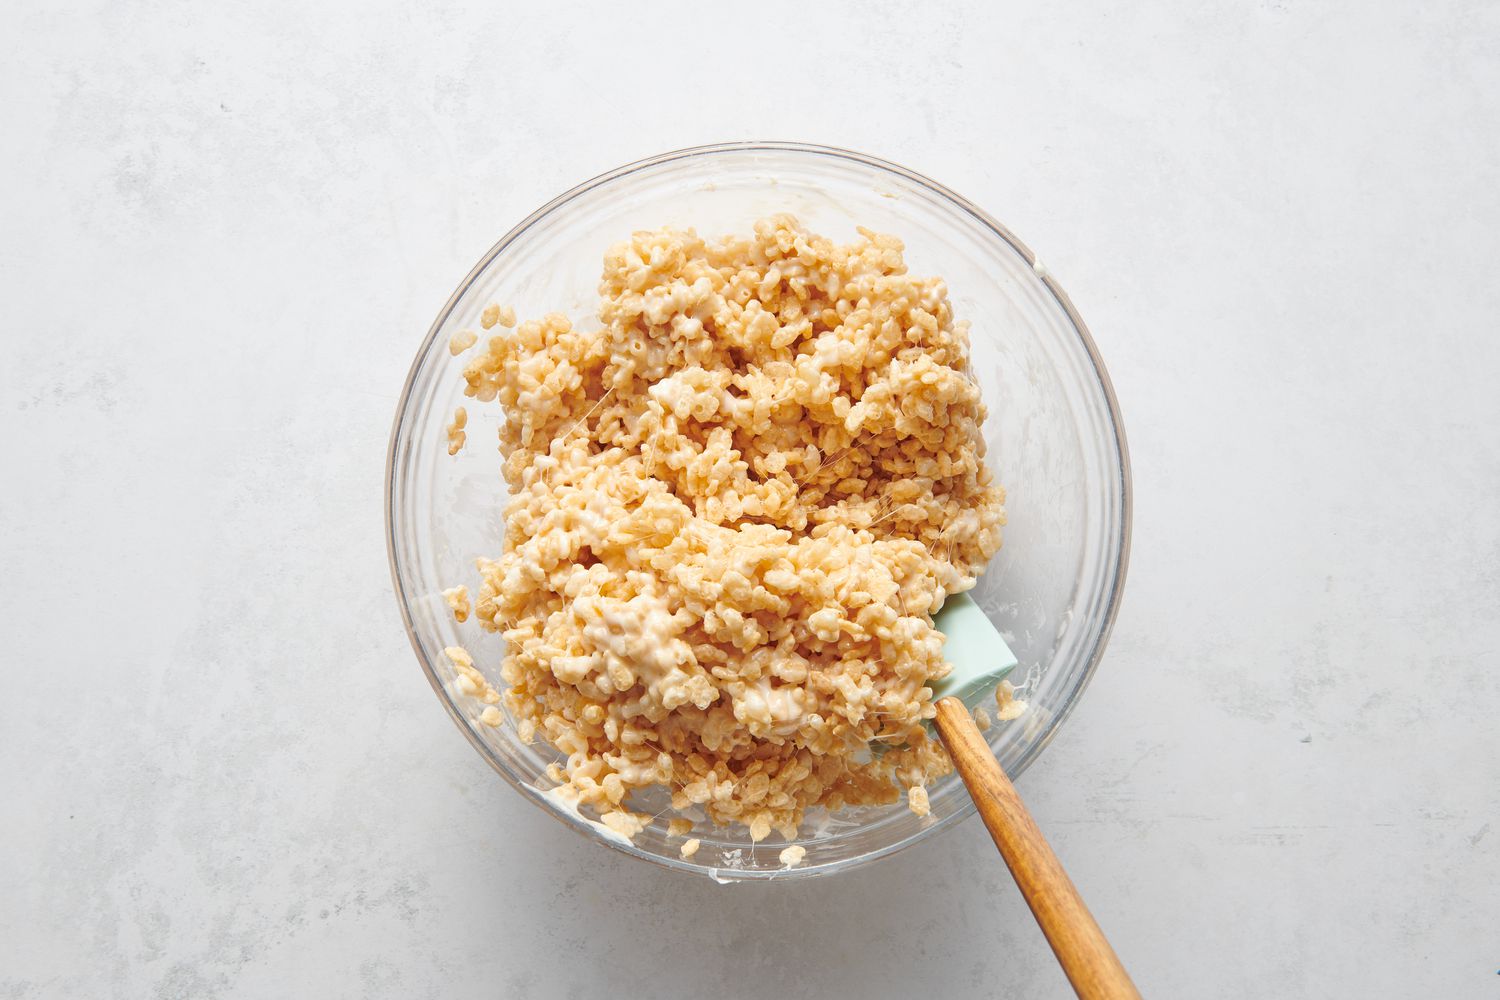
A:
1054, 440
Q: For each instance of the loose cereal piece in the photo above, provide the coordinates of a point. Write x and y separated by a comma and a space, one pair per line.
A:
555, 772
458, 602
462, 341
490, 316
1005, 698
491, 716
679, 827
468, 679
456, 435
689, 848
982, 718
506, 317
916, 800
792, 856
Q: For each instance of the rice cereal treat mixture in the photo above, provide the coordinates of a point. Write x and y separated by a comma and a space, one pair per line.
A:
734, 507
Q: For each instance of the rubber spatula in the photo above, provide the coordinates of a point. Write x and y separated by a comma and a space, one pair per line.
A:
980, 660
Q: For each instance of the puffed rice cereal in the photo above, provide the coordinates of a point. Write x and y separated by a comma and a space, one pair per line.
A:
462, 341
457, 435
734, 505
1010, 707
457, 599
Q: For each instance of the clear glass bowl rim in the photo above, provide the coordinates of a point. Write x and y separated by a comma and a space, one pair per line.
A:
1116, 585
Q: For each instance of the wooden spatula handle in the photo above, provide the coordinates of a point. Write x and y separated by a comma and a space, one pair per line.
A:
1081, 948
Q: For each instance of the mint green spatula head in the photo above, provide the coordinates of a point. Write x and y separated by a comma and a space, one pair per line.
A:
980, 658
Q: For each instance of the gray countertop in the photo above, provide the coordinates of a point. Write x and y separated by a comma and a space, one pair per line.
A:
225, 231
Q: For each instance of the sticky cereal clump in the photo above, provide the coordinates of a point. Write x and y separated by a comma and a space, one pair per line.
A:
462, 341
467, 678
457, 599
456, 433
734, 505
1006, 702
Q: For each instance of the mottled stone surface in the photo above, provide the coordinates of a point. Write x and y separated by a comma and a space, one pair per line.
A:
223, 230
